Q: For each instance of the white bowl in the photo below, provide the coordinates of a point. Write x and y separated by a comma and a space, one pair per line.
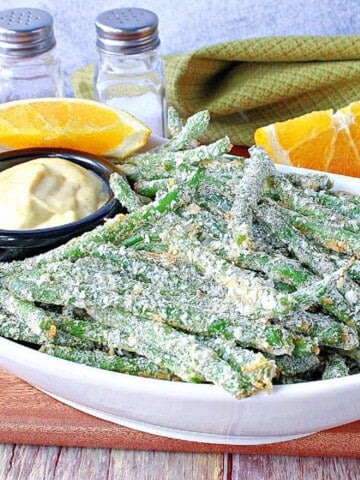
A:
195, 412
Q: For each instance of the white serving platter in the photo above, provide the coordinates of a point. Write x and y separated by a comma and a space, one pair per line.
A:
194, 412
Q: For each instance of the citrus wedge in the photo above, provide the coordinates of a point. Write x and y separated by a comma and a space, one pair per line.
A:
73, 123
321, 140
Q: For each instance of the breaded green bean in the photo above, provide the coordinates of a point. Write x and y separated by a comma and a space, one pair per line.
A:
138, 366
124, 193
247, 195
335, 367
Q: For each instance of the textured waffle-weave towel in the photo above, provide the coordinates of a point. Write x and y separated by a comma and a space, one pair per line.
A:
249, 83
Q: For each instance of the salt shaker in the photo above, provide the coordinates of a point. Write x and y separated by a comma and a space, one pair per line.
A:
130, 73
29, 66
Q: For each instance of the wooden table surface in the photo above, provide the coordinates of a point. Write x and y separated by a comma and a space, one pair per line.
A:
21, 462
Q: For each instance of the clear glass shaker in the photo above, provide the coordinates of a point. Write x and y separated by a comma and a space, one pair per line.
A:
130, 73
29, 67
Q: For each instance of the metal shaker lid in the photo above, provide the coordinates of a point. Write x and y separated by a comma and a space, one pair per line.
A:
25, 32
127, 30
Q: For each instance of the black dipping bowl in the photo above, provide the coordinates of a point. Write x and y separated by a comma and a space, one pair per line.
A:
19, 244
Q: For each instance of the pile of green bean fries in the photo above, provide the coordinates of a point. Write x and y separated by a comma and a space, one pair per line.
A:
224, 271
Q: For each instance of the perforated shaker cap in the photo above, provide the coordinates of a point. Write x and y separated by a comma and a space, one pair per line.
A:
25, 32
127, 30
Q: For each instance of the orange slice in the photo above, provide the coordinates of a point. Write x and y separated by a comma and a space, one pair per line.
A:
321, 140
71, 123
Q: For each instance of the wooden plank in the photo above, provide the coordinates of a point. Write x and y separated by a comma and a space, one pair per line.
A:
6, 456
30, 463
64, 463
166, 465
258, 467
27, 416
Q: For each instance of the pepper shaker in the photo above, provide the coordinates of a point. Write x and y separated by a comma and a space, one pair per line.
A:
29, 66
130, 73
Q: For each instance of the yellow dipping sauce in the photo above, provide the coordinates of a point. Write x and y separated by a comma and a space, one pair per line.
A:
46, 192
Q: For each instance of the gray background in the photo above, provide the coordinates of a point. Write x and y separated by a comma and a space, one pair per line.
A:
189, 24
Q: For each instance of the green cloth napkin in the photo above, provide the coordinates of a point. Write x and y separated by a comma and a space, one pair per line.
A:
249, 83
